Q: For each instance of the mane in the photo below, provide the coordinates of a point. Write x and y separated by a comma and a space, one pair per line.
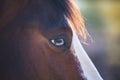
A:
68, 7
77, 22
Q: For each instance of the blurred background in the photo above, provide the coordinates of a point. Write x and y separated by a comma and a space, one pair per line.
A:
102, 19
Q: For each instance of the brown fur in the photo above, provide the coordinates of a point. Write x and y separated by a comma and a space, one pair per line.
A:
26, 53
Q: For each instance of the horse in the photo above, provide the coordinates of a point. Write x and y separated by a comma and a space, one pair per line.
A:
39, 41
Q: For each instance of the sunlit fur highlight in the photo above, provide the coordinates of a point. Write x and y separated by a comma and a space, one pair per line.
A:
77, 22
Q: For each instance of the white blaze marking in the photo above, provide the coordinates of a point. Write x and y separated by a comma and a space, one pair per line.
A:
88, 67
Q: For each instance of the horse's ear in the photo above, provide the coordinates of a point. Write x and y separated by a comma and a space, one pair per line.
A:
77, 22
9, 10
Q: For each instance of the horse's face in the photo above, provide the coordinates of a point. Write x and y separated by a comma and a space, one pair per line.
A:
38, 46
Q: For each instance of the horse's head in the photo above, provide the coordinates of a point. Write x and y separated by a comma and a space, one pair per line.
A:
36, 38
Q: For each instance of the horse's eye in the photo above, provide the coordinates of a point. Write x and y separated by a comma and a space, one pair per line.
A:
58, 42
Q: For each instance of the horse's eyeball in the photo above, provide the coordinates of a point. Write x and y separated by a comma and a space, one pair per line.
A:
58, 42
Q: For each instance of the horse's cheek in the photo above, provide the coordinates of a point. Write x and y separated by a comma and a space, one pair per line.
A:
57, 63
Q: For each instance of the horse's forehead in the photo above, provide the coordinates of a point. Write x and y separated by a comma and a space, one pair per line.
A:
49, 17
48, 14
43, 13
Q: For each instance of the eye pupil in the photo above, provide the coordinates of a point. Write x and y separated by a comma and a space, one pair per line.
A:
58, 42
